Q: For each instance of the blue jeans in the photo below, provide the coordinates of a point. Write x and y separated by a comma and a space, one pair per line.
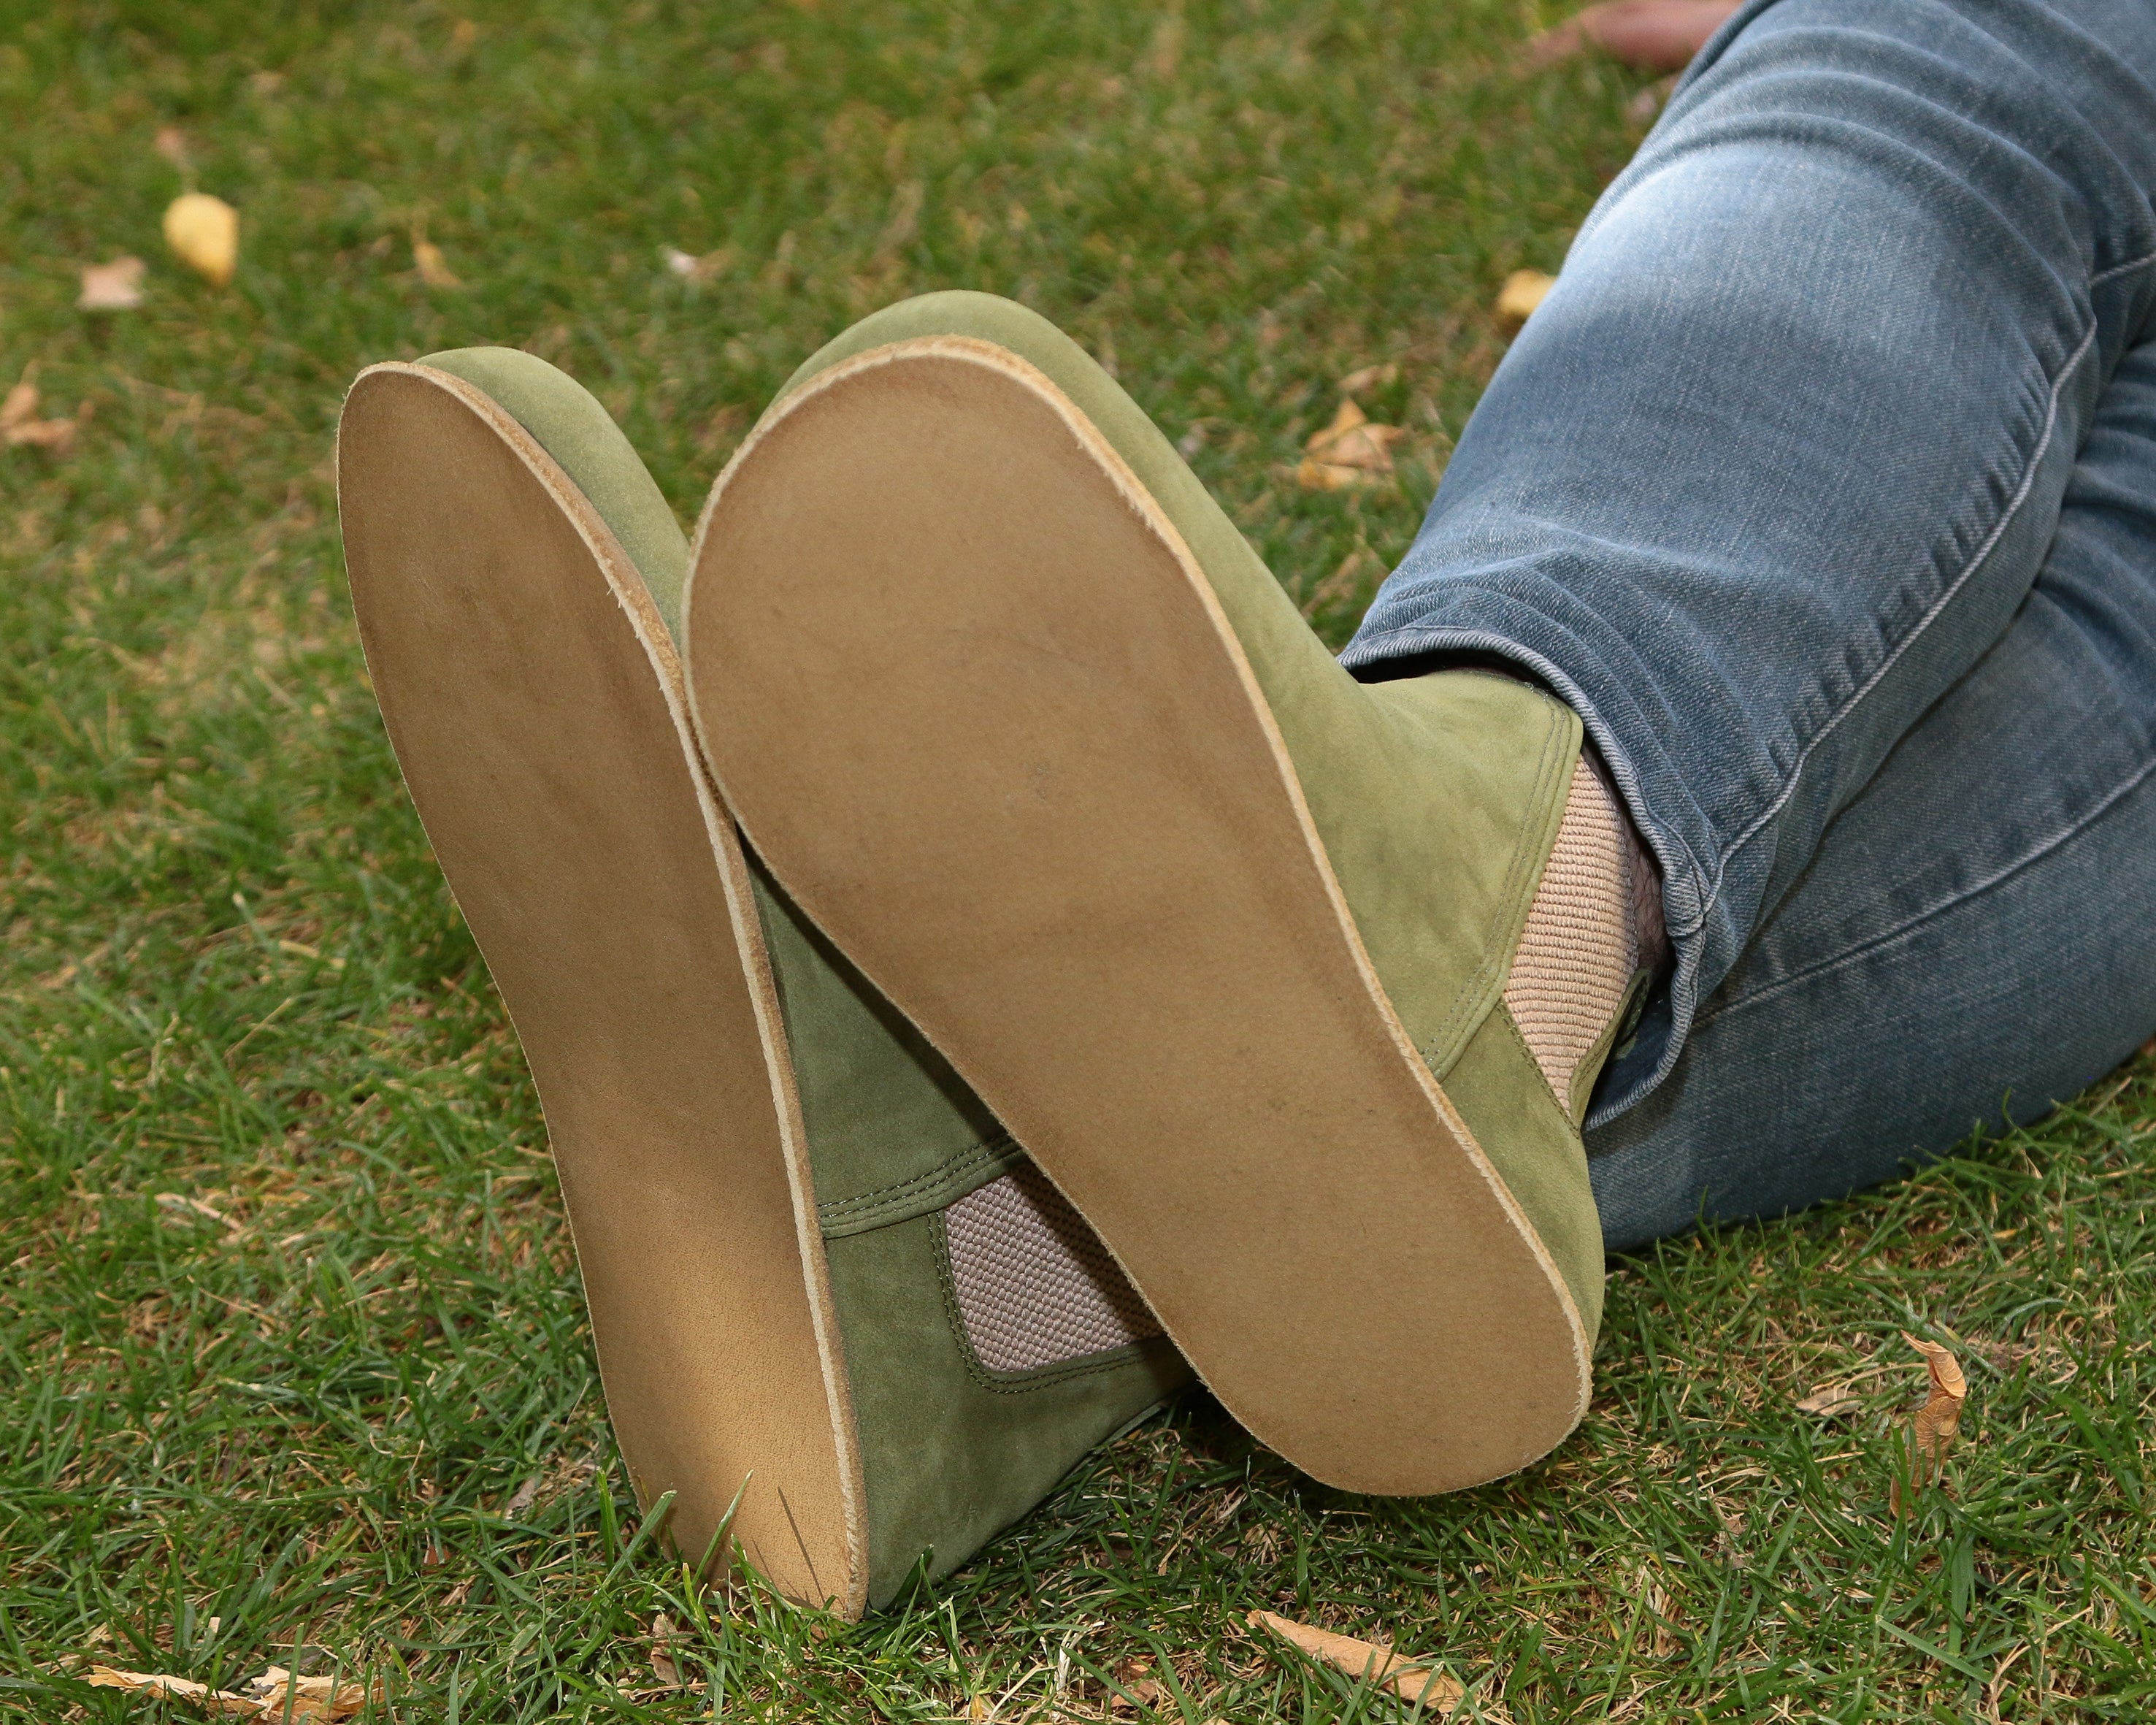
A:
1823, 485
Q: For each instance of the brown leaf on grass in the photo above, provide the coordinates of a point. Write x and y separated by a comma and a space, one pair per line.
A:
1369, 376
1936, 1421
1353, 451
1649, 35
116, 286
1140, 1688
172, 143
1658, 1608
320, 1701
218, 1702
203, 233
1524, 290
664, 1637
433, 267
1828, 1401
1412, 1680
698, 269
19, 425
1940, 1417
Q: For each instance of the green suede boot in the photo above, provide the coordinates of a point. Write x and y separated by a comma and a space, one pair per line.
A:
1273, 972
831, 1298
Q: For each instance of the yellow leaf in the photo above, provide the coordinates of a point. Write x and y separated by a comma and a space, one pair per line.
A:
433, 269
690, 267
217, 1701
1828, 1400
1412, 1680
19, 426
1326, 477
663, 1636
116, 286
204, 232
1356, 382
323, 1700
1938, 1419
1523, 291
1353, 451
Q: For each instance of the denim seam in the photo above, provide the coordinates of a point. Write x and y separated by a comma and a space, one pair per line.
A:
1827, 967
1937, 608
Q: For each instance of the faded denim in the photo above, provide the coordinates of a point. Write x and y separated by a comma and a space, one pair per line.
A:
1823, 485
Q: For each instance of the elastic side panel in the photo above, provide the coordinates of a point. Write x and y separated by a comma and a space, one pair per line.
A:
1034, 1284
1577, 954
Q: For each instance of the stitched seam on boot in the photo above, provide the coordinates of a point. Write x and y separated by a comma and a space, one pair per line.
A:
937, 1188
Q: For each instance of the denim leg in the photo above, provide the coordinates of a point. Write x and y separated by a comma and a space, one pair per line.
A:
1977, 934
1779, 457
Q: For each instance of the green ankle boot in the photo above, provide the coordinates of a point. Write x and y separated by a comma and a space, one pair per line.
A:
832, 1299
1273, 972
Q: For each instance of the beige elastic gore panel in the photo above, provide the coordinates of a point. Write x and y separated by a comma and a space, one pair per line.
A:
1034, 1284
1576, 954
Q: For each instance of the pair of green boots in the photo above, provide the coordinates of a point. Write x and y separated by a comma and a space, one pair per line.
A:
976, 951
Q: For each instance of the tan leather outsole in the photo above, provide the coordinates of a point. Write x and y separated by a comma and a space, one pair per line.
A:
982, 714
534, 701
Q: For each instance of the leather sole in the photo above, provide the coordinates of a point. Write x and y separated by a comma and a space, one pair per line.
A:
534, 701
983, 717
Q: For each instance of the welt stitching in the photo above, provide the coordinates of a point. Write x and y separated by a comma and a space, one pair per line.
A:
2104, 276
1932, 913
952, 1167
1953, 588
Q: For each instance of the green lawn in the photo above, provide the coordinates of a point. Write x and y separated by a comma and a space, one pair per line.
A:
291, 1350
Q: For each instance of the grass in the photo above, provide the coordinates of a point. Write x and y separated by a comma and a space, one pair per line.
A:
293, 1355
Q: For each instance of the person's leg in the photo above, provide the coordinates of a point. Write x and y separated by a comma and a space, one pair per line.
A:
1978, 928
1781, 454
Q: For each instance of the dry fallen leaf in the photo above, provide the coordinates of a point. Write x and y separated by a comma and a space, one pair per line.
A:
279, 1695
1828, 1400
1938, 1419
1368, 377
691, 268
433, 269
664, 1636
18, 426
1524, 290
1412, 1680
1140, 1688
1658, 1608
116, 286
172, 143
204, 232
1649, 35
219, 1702
1353, 451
